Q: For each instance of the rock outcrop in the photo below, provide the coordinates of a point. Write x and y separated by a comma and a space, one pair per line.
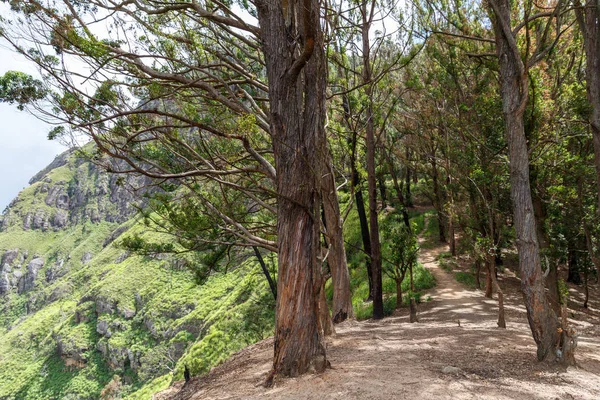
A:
27, 281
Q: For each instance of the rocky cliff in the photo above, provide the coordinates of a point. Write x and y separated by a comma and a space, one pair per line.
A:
81, 316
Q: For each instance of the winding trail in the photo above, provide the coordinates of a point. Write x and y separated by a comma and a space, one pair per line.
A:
437, 358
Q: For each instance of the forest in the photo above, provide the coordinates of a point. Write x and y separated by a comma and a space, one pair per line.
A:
268, 126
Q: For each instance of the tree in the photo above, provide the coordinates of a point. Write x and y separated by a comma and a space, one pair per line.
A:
191, 69
514, 92
588, 16
402, 253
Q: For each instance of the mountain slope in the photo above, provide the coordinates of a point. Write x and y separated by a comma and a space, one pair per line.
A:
455, 352
79, 315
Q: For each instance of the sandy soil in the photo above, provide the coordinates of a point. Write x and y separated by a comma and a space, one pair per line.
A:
456, 351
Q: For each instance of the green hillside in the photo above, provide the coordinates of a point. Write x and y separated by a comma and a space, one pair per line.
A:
79, 314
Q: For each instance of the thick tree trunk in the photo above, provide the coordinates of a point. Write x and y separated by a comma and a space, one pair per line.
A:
539, 210
371, 175
553, 293
340, 277
514, 87
297, 106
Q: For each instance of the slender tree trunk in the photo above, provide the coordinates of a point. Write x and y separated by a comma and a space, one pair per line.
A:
409, 199
438, 200
362, 214
413, 311
398, 190
382, 190
499, 293
478, 273
324, 315
588, 19
514, 88
586, 288
573, 267
366, 238
340, 277
489, 285
371, 175
297, 107
452, 237
398, 292
266, 272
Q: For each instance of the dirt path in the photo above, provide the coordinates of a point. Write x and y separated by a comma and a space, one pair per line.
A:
433, 359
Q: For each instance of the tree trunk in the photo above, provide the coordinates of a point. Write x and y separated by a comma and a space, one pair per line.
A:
362, 214
452, 237
398, 189
478, 273
366, 238
413, 311
382, 190
266, 272
371, 175
489, 284
409, 200
438, 200
539, 210
572, 264
324, 315
340, 277
297, 106
412, 282
398, 293
588, 19
501, 319
514, 88
586, 288
553, 293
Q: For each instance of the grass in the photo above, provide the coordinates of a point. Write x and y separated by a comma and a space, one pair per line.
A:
466, 278
203, 324
423, 280
448, 263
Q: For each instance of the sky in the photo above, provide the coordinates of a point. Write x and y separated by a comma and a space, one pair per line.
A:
24, 147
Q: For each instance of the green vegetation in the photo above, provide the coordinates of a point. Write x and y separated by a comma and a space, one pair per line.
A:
108, 312
423, 279
466, 278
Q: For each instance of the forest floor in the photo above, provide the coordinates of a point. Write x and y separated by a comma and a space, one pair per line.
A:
455, 351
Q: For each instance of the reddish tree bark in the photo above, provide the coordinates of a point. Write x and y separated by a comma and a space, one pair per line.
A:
342, 298
296, 75
377, 292
514, 92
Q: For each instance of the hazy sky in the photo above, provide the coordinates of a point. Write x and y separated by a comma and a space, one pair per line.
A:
24, 148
